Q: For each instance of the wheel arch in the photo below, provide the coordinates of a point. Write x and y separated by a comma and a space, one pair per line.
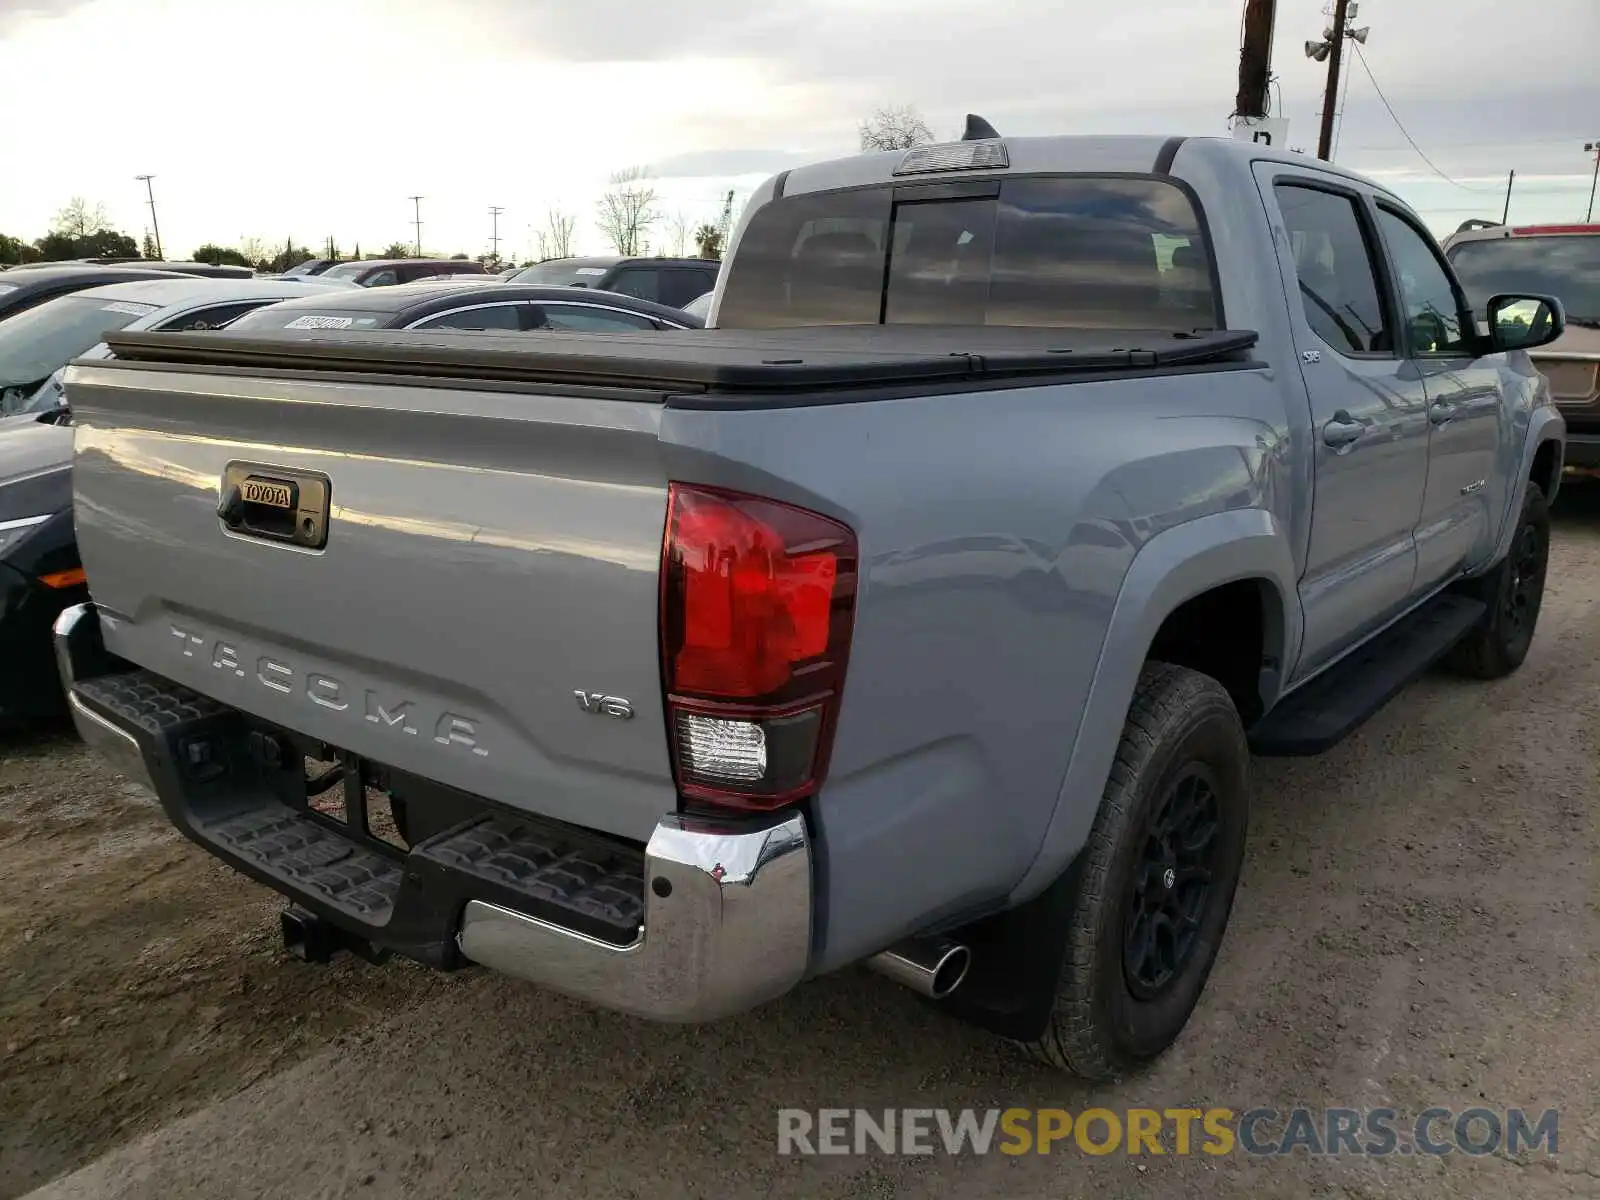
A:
1543, 449
1232, 554
1546, 468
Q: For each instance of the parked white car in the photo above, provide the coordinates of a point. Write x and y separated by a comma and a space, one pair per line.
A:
38, 343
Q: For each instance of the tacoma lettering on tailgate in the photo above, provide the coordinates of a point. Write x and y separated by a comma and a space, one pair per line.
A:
394, 713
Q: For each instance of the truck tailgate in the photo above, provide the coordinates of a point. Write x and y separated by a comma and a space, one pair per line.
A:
490, 564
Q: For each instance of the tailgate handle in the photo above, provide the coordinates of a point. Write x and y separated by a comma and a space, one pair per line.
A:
275, 504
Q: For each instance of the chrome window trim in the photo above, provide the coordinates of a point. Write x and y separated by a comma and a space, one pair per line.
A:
418, 323
450, 312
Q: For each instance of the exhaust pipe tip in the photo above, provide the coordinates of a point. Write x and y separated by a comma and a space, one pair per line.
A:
950, 970
932, 968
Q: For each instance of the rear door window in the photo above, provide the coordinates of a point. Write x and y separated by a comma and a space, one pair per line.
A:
1065, 252
481, 316
1335, 269
577, 317
641, 282
679, 285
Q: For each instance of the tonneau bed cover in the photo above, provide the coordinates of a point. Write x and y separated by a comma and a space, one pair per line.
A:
706, 362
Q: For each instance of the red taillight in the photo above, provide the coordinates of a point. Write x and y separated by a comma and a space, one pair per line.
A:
757, 600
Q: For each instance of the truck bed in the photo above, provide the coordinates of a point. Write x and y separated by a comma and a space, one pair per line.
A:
486, 516
700, 367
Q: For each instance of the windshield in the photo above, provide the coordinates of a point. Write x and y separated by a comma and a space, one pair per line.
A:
1566, 266
1076, 252
563, 272
37, 342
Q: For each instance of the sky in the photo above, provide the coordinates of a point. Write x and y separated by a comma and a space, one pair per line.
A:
271, 119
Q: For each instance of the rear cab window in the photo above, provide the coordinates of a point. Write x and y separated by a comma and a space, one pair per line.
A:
1076, 251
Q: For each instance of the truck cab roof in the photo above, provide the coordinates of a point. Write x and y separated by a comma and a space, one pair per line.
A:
1138, 154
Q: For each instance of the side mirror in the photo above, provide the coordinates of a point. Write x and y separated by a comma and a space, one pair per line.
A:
1525, 322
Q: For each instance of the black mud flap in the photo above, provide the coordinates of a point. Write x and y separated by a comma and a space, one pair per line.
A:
1017, 958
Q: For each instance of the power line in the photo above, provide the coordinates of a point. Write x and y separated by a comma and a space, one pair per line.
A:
1478, 143
1400, 125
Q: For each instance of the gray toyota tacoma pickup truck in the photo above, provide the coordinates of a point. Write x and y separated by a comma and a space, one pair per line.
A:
925, 612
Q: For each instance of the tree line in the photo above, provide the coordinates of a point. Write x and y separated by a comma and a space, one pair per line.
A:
629, 215
80, 230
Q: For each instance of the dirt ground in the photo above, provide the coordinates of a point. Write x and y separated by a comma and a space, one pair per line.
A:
1418, 924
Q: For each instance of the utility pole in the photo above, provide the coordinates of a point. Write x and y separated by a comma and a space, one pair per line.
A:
1255, 59
155, 226
1594, 149
416, 202
1505, 215
494, 237
1331, 51
1330, 97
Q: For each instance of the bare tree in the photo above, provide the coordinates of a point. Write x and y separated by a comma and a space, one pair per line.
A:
79, 219
678, 230
255, 249
555, 239
894, 127
627, 210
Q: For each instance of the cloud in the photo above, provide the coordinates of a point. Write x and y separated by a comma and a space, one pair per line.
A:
14, 14
525, 103
724, 164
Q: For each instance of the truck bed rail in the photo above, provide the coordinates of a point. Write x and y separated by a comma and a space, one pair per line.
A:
700, 362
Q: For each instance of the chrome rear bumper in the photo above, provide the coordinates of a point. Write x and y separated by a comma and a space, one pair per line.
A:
727, 925
727, 905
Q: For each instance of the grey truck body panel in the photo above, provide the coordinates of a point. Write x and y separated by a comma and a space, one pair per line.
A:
498, 511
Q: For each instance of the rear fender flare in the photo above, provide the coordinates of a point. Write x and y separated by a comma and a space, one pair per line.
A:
1172, 567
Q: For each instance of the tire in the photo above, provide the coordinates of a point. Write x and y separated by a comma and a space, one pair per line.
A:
1117, 1006
1514, 592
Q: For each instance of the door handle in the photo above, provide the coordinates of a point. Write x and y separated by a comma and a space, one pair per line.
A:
1441, 413
1344, 430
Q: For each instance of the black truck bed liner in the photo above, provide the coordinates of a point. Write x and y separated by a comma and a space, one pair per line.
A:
706, 362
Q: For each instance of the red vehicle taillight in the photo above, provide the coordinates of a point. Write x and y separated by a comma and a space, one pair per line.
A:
757, 602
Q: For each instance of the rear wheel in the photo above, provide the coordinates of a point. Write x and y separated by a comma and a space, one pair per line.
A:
1514, 593
1157, 883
